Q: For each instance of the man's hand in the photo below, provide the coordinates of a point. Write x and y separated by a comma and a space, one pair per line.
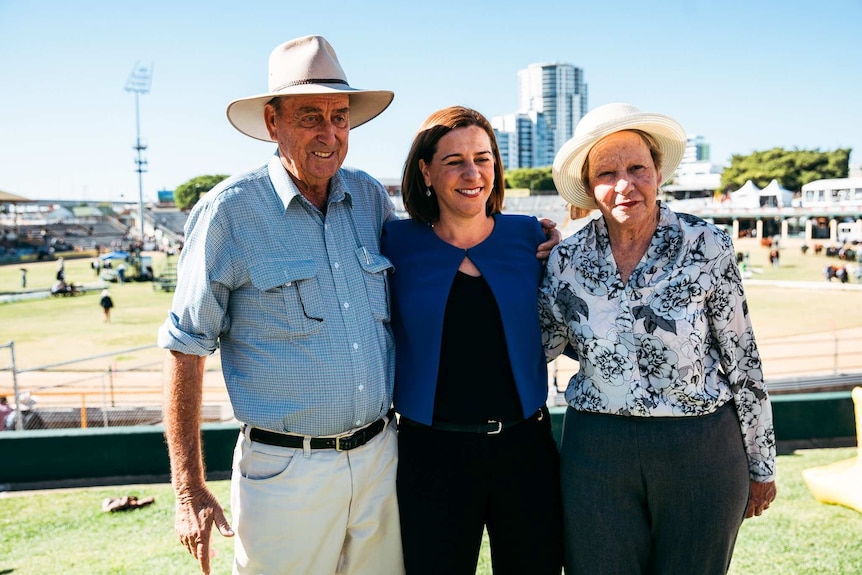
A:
195, 515
761, 495
553, 235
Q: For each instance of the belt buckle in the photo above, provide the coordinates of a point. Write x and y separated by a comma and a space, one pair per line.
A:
499, 427
347, 440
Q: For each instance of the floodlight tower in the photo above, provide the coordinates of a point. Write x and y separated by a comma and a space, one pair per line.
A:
139, 83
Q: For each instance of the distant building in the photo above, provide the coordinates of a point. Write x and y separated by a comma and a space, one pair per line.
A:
557, 94
552, 98
166, 198
518, 137
696, 150
694, 180
696, 177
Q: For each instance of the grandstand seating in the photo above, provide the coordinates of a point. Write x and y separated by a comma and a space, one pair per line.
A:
167, 279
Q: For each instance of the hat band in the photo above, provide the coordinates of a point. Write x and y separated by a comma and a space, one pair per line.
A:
312, 81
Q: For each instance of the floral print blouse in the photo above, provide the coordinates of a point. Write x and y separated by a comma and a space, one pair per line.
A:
675, 340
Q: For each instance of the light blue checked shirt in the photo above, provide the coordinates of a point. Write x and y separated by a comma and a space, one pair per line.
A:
298, 301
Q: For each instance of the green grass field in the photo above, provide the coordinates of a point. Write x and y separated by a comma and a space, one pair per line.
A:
65, 531
57, 329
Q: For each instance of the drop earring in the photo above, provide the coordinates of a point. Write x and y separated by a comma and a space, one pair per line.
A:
428, 191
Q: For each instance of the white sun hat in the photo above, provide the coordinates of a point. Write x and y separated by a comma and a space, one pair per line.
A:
601, 122
305, 66
26, 401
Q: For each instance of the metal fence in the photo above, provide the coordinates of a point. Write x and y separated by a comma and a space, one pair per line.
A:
56, 395
64, 397
790, 357
822, 362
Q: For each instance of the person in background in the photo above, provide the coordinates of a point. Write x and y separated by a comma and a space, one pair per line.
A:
476, 449
23, 278
24, 408
281, 271
668, 441
59, 287
107, 303
5, 410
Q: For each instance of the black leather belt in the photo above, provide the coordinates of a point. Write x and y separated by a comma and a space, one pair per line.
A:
492, 427
340, 443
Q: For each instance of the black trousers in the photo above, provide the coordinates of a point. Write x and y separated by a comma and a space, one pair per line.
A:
652, 495
451, 485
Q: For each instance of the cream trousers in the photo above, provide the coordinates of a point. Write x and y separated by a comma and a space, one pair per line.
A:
316, 512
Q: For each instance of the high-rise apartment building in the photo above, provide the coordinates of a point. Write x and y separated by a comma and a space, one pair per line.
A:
552, 98
696, 149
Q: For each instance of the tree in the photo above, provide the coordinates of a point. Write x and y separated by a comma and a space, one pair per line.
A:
792, 168
532, 178
187, 195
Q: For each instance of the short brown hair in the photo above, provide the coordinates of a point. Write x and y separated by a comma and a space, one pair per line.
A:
425, 208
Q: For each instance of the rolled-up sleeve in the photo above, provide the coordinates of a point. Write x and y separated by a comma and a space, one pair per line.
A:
198, 314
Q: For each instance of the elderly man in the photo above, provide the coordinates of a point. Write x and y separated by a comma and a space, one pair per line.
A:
282, 270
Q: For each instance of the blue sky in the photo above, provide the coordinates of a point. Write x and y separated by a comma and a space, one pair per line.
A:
745, 74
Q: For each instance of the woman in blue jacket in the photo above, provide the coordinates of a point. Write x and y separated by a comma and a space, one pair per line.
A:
475, 444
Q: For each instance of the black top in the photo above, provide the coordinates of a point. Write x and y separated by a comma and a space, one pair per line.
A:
475, 382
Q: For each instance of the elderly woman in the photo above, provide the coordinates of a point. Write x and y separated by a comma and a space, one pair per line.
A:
475, 445
668, 440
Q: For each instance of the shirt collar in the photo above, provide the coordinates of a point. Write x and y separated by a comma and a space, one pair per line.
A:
287, 189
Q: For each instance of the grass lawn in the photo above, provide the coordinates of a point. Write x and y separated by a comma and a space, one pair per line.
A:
798, 535
65, 531
57, 329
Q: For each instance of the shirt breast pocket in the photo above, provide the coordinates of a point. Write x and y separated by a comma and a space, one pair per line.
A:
376, 267
289, 296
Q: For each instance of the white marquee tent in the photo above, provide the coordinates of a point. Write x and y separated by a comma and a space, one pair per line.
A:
748, 196
772, 196
782, 195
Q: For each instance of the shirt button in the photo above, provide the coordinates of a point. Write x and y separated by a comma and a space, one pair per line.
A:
358, 422
346, 305
355, 346
361, 387
335, 265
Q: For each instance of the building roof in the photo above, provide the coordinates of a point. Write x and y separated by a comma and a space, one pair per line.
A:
87, 212
12, 198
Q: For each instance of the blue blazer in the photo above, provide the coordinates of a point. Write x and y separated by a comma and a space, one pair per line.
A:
424, 269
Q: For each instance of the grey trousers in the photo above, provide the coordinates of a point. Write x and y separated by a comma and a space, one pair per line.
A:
652, 495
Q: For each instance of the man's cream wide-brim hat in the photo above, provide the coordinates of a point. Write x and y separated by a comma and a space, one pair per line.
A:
305, 66
601, 122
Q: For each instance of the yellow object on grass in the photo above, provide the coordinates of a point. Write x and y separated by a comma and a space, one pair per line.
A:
840, 483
